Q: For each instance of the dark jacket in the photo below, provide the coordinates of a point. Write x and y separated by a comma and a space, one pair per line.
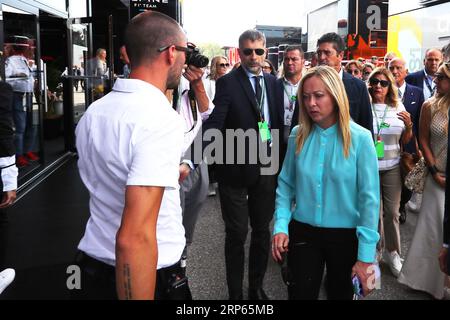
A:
7, 147
413, 100
235, 108
416, 79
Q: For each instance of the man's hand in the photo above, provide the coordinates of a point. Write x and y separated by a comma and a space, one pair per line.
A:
185, 170
443, 260
8, 199
366, 275
193, 74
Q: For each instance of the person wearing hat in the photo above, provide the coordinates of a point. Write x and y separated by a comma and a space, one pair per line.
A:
19, 76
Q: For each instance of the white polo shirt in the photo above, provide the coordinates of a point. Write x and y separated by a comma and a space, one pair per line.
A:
130, 137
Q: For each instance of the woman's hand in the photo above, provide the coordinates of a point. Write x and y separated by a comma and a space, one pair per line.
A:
366, 275
440, 179
406, 118
280, 244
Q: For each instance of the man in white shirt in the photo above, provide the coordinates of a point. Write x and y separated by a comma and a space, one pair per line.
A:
194, 178
287, 88
129, 146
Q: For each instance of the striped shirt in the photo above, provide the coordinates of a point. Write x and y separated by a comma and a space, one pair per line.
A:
390, 136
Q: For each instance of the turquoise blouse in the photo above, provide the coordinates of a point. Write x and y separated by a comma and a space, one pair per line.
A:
331, 191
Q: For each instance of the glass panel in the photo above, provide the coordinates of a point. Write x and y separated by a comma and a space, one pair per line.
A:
22, 74
80, 54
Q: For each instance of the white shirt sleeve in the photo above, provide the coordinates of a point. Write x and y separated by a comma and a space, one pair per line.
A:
9, 175
156, 154
205, 115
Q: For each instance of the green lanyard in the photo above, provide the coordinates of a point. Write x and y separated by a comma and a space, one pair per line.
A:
263, 98
383, 124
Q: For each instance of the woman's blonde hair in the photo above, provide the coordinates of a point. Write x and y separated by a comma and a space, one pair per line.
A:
441, 101
334, 87
213, 70
392, 98
357, 63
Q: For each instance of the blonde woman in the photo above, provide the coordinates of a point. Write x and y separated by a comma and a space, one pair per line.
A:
421, 268
219, 67
331, 172
392, 126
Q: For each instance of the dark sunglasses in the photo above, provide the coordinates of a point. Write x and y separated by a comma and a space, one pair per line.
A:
248, 51
224, 65
383, 83
440, 76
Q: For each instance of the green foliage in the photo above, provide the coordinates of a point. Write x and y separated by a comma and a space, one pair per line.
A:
211, 50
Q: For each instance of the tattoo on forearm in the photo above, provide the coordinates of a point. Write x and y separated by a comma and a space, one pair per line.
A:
127, 284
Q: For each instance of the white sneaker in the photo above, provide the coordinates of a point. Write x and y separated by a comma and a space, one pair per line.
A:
394, 261
6, 277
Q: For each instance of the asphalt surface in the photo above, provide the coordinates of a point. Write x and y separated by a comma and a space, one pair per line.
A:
206, 264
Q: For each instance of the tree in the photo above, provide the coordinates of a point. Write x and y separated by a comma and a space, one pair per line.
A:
211, 50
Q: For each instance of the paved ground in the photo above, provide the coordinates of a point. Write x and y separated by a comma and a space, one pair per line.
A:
206, 266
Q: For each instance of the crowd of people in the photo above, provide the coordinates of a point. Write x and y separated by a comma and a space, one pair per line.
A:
335, 133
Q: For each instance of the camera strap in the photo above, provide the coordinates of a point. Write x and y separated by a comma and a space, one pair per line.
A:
193, 106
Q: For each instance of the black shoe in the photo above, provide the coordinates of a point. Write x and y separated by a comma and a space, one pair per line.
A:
257, 294
402, 218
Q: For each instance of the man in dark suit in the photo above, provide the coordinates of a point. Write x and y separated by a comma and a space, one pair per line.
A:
412, 98
245, 101
286, 91
424, 78
330, 50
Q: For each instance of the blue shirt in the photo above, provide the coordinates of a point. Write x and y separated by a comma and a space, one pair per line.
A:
331, 191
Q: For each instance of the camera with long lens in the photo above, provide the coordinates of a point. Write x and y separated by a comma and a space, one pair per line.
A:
195, 58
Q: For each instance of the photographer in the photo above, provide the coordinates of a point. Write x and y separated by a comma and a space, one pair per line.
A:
194, 105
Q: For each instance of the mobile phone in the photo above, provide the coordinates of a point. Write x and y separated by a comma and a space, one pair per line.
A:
357, 288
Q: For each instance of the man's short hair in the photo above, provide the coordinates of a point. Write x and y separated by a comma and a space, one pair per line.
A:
335, 39
146, 33
252, 35
293, 48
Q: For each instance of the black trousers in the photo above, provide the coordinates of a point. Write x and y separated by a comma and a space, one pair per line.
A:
3, 232
239, 205
98, 281
310, 249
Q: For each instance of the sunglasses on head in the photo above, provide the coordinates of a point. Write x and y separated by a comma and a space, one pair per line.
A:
224, 65
383, 83
249, 51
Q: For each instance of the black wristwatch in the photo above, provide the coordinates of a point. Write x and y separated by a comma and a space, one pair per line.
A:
433, 170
